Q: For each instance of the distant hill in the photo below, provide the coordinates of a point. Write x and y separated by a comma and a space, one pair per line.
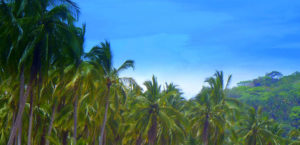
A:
278, 95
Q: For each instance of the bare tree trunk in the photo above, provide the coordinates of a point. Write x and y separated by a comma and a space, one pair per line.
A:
64, 137
105, 115
43, 138
75, 112
153, 130
20, 134
205, 130
30, 120
75, 118
22, 101
51, 123
104, 138
13, 121
16, 141
139, 140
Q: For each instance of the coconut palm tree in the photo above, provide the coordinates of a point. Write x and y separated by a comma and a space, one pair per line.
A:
254, 128
38, 27
72, 97
206, 117
210, 110
155, 118
102, 55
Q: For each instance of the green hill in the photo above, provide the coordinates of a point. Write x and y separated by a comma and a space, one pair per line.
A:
278, 95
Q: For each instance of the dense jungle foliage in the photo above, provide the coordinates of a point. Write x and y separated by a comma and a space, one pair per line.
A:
278, 95
53, 92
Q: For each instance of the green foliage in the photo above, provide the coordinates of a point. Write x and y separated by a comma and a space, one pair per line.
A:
295, 116
52, 92
277, 94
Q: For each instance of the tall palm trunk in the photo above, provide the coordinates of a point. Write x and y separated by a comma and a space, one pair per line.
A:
20, 135
105, 114
44, 133
205, 130
75, 108
51, 123
13, 120
75, 118
30, 120
35, 67
22, 101
139, 140
64, 137
153, 130
104, 138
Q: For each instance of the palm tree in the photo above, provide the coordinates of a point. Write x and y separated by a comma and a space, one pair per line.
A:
81, 77
277, 131
42, 61
154, 115
34, 40
102, 55
175, 100
254, 128
77, 66
209, 109
230, 106
206, 117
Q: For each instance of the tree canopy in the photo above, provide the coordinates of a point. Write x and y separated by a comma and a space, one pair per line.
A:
53, 92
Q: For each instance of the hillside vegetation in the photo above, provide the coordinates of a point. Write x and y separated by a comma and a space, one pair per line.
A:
278, 95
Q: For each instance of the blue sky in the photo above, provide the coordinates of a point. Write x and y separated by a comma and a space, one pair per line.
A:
186, 41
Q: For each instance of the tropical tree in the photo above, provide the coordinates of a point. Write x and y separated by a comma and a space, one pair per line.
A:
70, 96
155, 118
206, 117
36, 25
255, 130
211, 111
102, 55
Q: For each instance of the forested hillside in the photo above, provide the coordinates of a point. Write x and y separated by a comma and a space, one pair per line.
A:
278, 95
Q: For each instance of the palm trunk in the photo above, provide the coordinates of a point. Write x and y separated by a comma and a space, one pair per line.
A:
76, 94
43, 138
16, 141
139, 140
64, 137
51, 123
75, 118
22, 101
105, 115
30, 120
13, 121
104, 138
153, 130
20, 135
205, 130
